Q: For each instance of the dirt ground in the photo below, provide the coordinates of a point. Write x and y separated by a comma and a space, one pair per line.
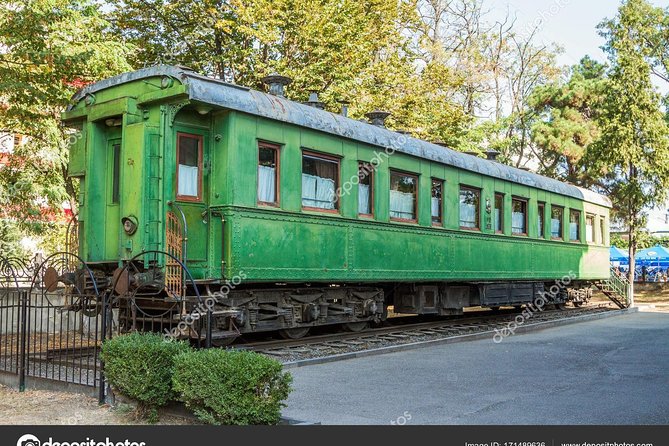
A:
642, 298
53, 408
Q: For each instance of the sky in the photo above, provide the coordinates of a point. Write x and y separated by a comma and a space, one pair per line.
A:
572, 25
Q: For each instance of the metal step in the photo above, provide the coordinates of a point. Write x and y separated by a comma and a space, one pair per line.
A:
610, 288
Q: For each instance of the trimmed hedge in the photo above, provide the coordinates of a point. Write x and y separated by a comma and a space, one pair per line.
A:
231, 387
140, 366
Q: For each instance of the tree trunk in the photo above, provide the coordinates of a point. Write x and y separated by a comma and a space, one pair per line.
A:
631, 253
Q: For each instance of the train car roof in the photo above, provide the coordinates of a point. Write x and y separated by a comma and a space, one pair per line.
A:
219, 93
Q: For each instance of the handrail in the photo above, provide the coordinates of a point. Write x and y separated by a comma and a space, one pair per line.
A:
619, 283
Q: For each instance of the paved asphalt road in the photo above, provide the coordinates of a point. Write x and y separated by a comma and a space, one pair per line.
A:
609, 371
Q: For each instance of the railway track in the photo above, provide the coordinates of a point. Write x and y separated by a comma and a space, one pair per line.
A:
336, 344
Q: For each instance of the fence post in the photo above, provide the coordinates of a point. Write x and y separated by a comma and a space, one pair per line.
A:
207, 342
23, 298
101, 390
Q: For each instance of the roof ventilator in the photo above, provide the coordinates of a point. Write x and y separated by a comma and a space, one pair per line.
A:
314, 102
377, 117
276, 84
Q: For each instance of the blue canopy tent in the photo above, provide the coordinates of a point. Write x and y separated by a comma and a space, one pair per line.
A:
654, 256
653, 261
618, 256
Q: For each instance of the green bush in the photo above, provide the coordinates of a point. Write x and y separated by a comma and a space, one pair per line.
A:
140, 366
231, 387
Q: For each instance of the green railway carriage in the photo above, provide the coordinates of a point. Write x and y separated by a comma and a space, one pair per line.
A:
316, 218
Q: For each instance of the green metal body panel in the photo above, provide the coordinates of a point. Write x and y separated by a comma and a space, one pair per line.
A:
230, 235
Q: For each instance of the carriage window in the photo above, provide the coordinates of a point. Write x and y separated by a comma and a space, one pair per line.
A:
436, 201
541, 208
574, 226
499, 213
519, 216
556, 222
470, 208
116, 173
320, 178
268, 174
189, 174
589, 228
602, 231
365, 189
403, 196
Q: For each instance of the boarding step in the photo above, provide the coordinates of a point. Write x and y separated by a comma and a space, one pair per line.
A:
616, 288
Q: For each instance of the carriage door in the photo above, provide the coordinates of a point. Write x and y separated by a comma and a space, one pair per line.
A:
191, 197
113, 196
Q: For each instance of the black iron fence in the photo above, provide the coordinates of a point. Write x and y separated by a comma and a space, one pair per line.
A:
54, 315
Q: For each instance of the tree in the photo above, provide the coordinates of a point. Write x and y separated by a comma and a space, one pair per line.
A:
361, 52
632, 154
568, 122
48, 50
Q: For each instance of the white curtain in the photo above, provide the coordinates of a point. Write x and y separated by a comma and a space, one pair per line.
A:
401, 205
318, 192
188, 177
266, 184
435, 207
364, 206
555, 228
540, 226
498, 219
467, 215
518, 222
573, 231
589, 233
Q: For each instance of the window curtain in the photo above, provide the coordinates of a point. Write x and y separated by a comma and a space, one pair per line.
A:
266, 184
435, 207
364, 206
518, 222
498, 219
188, 177
589, 233
555, 228
401, 205
318, 192
467, 215
573, 231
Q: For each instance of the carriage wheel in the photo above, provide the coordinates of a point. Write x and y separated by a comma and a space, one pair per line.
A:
356, 327
294, 333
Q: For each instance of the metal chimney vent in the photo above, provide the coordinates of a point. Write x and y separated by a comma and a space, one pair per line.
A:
314, 102
377, 118
344, 107
276, 84
492, 155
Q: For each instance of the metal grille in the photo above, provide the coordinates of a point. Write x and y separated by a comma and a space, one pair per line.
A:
174, 242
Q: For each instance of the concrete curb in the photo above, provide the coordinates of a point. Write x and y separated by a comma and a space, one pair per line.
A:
525, 328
